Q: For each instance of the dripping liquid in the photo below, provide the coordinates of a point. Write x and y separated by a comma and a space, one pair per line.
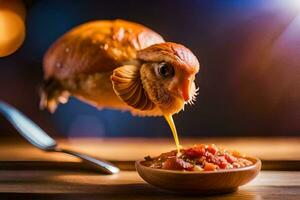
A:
170, 121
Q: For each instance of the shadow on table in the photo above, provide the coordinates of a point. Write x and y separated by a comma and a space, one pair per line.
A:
137, 191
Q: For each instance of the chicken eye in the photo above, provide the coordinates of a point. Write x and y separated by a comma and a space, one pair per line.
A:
165, 70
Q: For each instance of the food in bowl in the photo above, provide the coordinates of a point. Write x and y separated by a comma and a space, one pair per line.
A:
199, 158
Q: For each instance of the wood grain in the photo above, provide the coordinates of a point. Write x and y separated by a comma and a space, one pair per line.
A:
61, 184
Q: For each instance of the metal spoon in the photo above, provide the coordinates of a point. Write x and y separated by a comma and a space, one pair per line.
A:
36, 136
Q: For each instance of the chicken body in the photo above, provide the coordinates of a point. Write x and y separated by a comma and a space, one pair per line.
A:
110, 64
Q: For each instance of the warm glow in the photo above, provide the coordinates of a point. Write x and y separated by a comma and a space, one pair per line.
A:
12, 32
289, 4
294, 3
12, 27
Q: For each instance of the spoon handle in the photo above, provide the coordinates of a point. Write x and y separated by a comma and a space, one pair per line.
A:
36, 136
103, 165
27, 128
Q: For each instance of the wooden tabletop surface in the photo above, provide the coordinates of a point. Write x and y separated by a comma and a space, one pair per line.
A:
27, 172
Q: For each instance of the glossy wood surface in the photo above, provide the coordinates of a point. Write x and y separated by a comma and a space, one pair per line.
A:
28, 173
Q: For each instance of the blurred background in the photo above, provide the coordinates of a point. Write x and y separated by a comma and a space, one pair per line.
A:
249, 80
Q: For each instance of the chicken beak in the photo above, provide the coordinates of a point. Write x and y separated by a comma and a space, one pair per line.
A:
183, 87
186, 89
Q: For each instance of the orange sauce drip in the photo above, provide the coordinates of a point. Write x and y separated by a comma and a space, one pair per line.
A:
171, 123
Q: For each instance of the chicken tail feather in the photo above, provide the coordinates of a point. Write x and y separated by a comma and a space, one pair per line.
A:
51, 94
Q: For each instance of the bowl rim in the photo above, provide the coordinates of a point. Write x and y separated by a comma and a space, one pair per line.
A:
257, 164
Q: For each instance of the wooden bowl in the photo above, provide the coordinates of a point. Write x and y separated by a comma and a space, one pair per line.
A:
208, 182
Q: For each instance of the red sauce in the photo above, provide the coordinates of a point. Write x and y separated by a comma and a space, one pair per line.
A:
199, 158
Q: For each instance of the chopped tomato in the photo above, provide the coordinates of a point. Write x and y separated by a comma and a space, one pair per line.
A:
230, 158
223, 165
195, 152
210, 166
174, 163
198, 158
212, 149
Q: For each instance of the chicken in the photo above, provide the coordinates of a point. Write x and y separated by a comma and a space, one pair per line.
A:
119, 65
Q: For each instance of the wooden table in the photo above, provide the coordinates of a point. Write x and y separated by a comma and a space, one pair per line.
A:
29, 173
